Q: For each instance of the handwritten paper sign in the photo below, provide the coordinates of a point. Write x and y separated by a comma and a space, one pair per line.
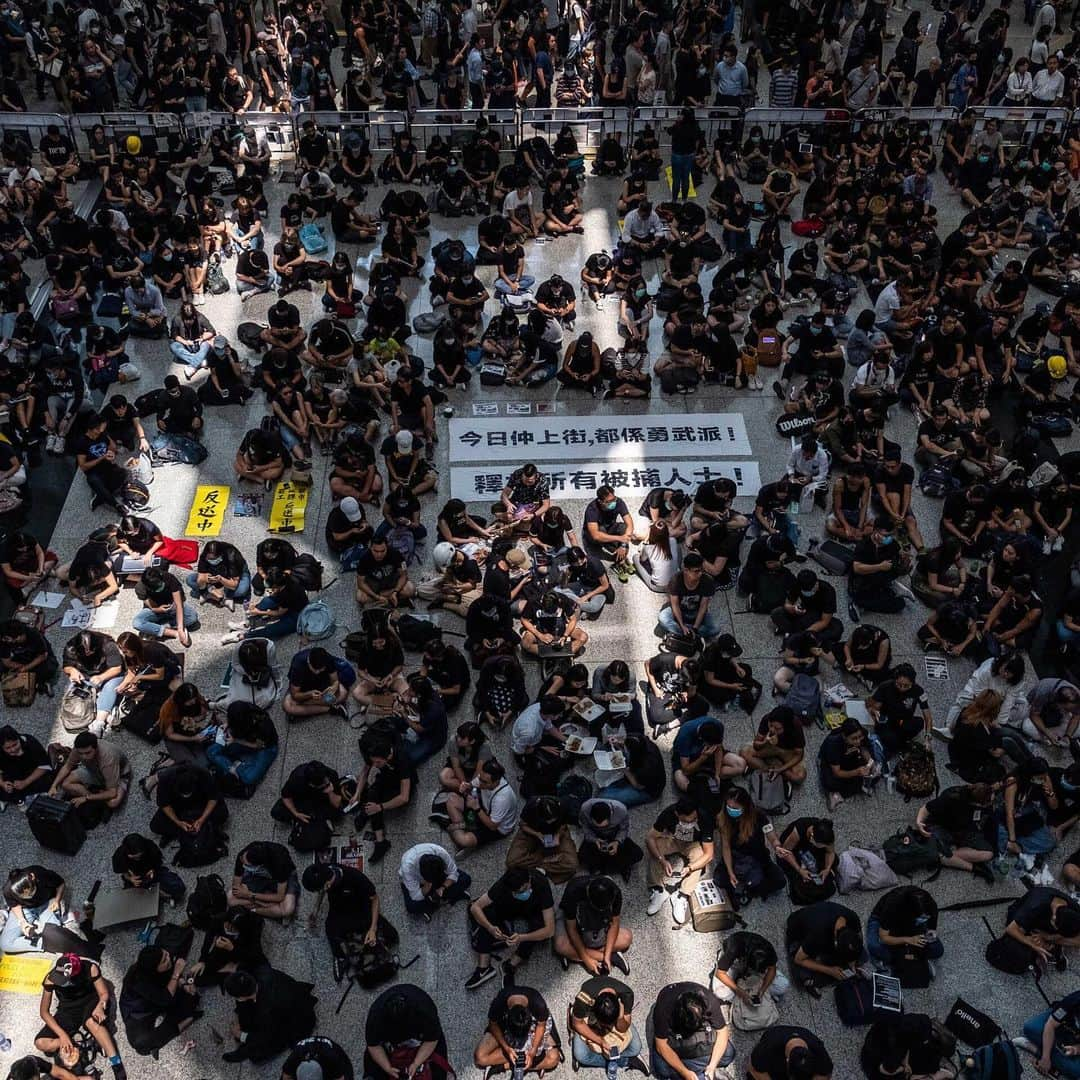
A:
207, 510
287, 509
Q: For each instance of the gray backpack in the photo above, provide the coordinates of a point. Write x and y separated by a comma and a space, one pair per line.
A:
769, 792
78, 708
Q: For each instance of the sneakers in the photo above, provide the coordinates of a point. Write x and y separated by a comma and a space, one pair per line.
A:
758, 384
378, 852
508, 970
637, 1064
657, 899
1048, 547
339, 968
239, 624
339, 711
835, 799
941, 732
902, 590
1059, 543
622, 571
50, 448
1025, 1044
983, 870
778, 390
479, 976
618, 960
680, 908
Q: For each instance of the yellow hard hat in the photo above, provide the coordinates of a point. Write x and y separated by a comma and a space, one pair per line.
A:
1057, 366
133, 144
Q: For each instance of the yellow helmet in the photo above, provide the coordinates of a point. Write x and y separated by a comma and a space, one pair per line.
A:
133, 144
1057, 366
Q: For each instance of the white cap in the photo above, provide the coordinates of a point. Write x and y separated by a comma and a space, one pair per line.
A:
404, 441
351, 509
442, 554
309, 1070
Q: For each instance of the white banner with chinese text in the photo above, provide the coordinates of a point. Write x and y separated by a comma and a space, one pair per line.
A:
638, 439
631, 481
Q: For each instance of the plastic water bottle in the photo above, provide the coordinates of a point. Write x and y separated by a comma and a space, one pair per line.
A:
612, 1068
5, 1043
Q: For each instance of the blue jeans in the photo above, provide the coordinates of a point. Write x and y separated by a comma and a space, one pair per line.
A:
524, 283
709, 628
625, 793
680, 175
1064, 633
1068, 1067
660, 1068
278, 628
880, 951
592, 1060
106, 695
184, 355
241, 592
452, 895
153, 622
247, 765
1040, 842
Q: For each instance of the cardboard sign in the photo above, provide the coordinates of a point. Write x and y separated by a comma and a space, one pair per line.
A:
207, 510
287, 509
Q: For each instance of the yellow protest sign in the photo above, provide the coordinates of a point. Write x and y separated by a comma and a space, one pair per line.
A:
693, 190
287, 509
23, 974
207, 510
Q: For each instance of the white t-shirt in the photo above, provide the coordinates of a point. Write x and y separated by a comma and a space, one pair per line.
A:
513, 200
888, 302
502, 806
409, 871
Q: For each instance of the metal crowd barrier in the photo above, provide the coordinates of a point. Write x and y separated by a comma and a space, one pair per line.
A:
159, 131
711, 119
457, 126
32, 126
775, 123
937, 119
1021, 123
277, 130
590, 125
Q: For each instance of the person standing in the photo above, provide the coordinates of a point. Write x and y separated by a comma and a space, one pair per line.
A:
685, 135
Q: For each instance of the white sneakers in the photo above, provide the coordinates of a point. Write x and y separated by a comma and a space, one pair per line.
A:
680, 906
1053, 545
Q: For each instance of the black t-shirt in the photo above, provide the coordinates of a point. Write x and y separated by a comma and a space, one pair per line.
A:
33, 757
500, 1004
161, 594
954, 812
1033, 911
272, 859
381, 574
691, 599
894, 483
420, 1020
814, 928
576, 907
318, 1048
769, 1057
897, 912
902, 709
737, 948
505, 907
46, 883
666, 1002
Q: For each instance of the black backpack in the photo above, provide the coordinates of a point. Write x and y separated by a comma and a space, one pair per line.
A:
208, 902
416, 634
308, 571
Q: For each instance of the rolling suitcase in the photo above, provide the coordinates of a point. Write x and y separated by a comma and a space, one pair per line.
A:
55, 824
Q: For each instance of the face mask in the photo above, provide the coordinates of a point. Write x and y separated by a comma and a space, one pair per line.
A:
213, 562
734, 811
921, 920
815, 330
984, 158
804, 592
1046, 166
610, 505
886, 540
684, 831
523, 896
